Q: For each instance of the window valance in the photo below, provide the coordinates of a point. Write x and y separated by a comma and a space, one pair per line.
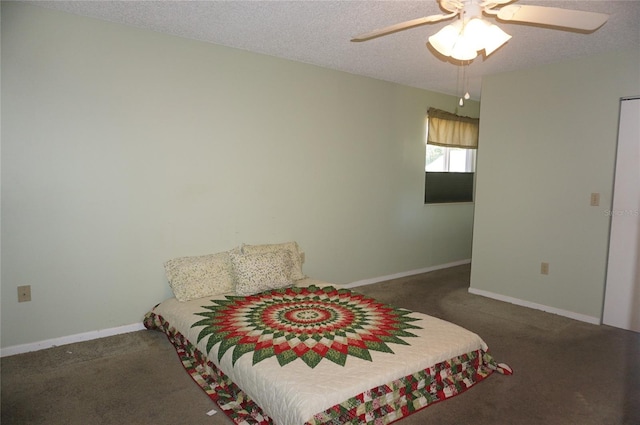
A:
451, 130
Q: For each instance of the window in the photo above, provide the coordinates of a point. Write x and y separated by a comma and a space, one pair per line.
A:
450, 160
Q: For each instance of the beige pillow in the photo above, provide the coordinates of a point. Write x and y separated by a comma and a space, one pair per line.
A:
261, 271
291, 247
202, 276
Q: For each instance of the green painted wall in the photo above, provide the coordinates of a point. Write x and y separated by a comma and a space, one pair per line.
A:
547, 141
122, 148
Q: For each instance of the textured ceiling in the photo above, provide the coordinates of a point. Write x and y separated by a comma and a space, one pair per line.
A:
319, 33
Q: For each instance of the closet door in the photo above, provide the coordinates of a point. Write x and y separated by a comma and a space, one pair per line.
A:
622, 294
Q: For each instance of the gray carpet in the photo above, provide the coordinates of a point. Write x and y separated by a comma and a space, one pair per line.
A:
565, 372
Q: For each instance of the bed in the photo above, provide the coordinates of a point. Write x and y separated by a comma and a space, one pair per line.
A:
316, 353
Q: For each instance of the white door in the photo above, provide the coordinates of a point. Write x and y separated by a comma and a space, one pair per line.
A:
622, 294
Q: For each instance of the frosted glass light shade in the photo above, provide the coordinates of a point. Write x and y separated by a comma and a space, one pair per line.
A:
464, 49
445, 39
494, 38
476, 32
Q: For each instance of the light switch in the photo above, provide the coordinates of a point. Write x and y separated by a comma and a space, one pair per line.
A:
595, 199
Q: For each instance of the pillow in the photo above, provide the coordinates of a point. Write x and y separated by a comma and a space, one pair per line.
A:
261, 271
197, 277
291, 247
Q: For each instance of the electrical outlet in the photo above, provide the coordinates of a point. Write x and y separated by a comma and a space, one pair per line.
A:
24, 293
544, 268
595, 199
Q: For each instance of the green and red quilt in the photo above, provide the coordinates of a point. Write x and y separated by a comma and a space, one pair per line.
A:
318, 354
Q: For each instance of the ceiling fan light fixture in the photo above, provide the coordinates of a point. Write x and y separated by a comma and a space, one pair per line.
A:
462, 41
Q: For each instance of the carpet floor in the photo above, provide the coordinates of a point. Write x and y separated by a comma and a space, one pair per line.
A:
565, 371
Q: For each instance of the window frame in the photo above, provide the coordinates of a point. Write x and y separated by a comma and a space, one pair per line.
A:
459, 188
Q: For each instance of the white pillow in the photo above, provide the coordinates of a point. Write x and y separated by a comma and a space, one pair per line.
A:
201, 276
291, 247
261, 271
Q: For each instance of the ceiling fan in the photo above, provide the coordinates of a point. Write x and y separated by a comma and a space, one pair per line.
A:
471, 33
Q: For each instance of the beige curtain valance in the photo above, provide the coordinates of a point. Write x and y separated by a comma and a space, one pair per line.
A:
451, 130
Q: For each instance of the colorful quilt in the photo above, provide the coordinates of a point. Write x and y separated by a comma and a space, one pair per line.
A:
319, 354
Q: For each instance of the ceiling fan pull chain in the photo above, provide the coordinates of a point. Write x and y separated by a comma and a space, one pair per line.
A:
467, 96
463, 82
460, 84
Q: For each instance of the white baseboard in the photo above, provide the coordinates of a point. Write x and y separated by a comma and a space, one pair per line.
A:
405, 274
529, 304
86, 336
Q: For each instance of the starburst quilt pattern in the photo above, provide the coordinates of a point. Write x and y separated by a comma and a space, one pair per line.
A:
310, 323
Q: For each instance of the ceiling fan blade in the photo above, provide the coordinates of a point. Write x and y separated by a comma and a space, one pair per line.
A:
493, 3
402, 26
553, 16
